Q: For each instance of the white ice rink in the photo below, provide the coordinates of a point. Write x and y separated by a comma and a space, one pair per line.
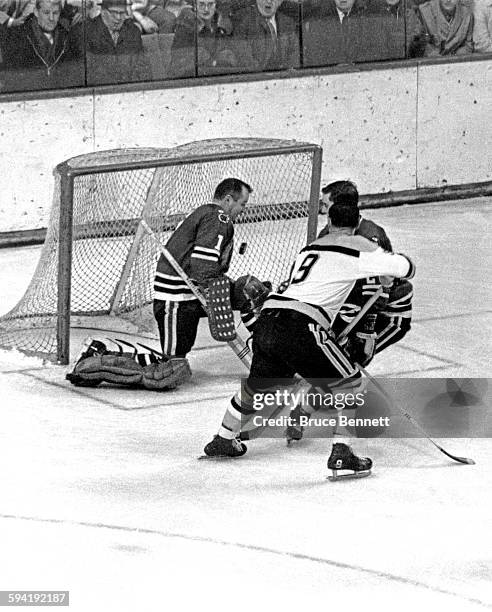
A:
101, 492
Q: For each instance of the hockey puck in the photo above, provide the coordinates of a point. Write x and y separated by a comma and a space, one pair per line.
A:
242, 248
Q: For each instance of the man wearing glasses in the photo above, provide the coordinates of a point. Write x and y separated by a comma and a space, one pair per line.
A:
114, 46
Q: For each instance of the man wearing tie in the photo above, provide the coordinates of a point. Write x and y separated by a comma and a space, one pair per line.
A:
265, 38
337, 32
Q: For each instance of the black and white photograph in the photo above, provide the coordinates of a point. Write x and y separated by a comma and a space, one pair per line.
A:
245, 323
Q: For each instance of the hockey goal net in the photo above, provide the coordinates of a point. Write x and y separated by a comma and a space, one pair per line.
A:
97, 265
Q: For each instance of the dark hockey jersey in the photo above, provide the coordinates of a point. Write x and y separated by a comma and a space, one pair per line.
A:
202, 245
370, 230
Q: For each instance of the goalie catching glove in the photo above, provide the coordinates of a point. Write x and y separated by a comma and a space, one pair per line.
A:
249, 293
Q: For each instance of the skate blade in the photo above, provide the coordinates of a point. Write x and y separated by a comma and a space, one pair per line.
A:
347, 476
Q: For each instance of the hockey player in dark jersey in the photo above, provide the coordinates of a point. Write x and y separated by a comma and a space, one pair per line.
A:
202, 246
394, 309
345, 192
322, 277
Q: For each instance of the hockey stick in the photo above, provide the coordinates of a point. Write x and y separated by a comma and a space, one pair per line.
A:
464, 460
298, 380
240, 348
360, 314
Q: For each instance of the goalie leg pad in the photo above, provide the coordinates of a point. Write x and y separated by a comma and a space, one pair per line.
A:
166, 374
116, 369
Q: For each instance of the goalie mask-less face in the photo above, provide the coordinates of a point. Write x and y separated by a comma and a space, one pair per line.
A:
234, 207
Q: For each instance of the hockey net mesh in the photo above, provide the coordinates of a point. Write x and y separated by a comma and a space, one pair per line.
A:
114, 259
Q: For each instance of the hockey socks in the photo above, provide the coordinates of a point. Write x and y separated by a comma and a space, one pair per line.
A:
237, 414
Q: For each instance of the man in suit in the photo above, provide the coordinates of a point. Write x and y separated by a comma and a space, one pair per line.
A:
41, 53
265, 38
114, 46
337, 32
202, 44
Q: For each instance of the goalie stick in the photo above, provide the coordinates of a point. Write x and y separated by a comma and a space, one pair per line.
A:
417, 426
239, 347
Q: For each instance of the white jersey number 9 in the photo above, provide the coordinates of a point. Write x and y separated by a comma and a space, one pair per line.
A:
305, 268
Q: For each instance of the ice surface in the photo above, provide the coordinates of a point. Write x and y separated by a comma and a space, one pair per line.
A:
101, 492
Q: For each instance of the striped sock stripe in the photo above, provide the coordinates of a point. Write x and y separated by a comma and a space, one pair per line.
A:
170, 321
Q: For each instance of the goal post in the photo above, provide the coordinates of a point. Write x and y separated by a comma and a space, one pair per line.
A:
97, 266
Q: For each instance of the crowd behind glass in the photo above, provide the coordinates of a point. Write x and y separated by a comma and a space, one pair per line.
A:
50, 44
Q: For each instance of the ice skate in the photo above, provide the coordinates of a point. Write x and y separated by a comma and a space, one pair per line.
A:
221, 447
295, 431
342, 459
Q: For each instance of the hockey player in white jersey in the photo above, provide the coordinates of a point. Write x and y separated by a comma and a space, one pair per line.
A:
293, 333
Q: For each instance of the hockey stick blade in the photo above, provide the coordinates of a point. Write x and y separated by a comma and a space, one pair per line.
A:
463, 460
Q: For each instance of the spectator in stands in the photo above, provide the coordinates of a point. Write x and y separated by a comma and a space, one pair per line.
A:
338, 32
444, 27
114, 46
214, 53
14, 13
176, 6
482, 29
265, 39
41, 53
392, 20
153, 17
